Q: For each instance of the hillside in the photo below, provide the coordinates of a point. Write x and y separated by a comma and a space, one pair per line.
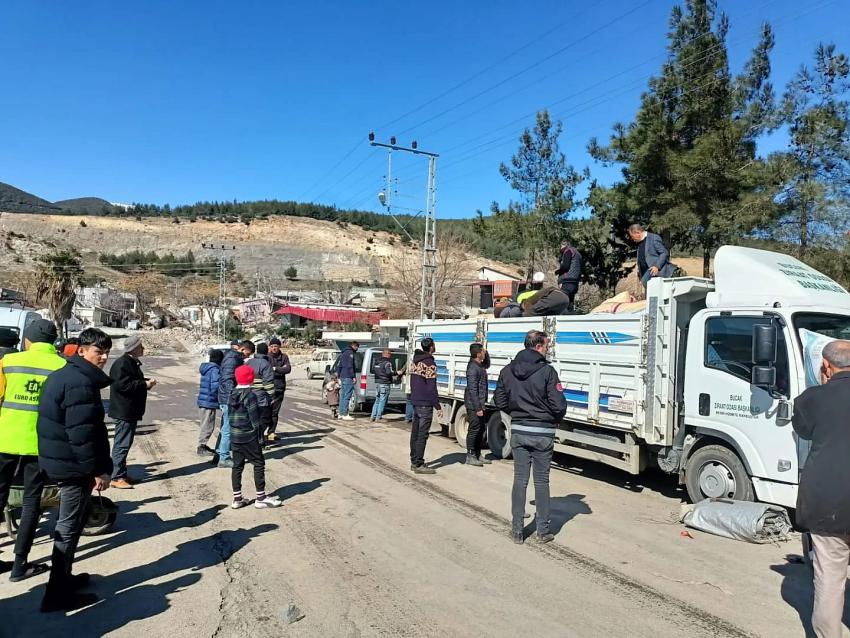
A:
319, 250
14, 200
86, 206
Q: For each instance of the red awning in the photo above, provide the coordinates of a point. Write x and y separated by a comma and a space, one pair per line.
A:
331, 315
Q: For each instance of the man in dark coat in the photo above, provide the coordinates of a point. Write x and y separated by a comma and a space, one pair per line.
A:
569, 272
73, 451
474, 400
282, 367
546, 302
529, 390
423, 395
822, 416
208, 400
128, 397
227, 381
346, 372
653, 258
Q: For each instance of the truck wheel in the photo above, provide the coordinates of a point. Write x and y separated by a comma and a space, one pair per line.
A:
497, 436
715, 471
461, 427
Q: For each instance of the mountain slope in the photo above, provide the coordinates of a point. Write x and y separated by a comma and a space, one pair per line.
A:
86, 205
14, 200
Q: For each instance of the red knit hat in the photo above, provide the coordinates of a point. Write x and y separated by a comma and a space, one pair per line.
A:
244, 375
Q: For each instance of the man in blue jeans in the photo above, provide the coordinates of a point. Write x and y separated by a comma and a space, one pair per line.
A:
384, 377
529, 390
345, 370
227, 382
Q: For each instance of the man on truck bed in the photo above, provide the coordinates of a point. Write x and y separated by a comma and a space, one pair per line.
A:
653, 258
569, 272
474, 400
530, 391
423, 395
823, 500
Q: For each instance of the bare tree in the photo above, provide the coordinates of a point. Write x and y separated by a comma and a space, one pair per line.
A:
454, 263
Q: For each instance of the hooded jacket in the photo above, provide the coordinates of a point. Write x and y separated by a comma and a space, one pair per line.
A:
423, 380
530, 391
208, 390
475, 394
72, 439
345, 368
244, 413
232, 360
820, 416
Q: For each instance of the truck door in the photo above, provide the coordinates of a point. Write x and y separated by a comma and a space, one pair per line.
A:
721, 402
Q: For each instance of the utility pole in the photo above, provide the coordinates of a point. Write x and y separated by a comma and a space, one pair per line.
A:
428, 293
222, 275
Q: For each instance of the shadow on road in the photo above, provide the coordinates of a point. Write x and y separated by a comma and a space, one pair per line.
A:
283, 452
798, 592
126, 595
297, 489
655, 481
562, 509
448, 459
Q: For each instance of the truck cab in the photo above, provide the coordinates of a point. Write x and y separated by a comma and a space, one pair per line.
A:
17, 319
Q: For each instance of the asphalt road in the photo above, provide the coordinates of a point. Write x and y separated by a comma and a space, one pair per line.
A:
362, 547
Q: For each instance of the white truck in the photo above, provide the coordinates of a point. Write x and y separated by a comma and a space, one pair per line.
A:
701, 383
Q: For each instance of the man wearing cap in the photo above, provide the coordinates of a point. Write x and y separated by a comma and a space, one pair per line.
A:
282, 367
8, 340
128, 395
22, 377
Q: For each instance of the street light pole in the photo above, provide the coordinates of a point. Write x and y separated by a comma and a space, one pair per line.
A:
428, 293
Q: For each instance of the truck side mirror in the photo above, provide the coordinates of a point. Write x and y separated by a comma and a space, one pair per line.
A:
785, 411
765, 340
764, 377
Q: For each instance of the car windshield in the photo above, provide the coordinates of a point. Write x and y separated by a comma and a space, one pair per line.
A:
833, 326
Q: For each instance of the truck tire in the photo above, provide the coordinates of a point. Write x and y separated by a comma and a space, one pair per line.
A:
497, 436
461, 427
715, 471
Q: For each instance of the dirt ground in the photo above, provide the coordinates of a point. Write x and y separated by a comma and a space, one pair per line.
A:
364, 548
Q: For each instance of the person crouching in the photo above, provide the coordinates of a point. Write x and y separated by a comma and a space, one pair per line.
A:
245, 432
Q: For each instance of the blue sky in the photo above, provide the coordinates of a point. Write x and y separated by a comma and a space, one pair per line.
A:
175, 102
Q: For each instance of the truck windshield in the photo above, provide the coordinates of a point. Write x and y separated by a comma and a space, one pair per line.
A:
834, 326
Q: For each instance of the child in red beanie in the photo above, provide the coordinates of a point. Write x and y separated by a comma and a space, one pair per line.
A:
245, 432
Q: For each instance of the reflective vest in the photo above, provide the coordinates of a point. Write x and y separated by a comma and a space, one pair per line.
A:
25, 374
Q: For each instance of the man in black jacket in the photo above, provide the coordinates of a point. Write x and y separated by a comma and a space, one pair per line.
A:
423, 396
474, 400
227, 381
823, 499
128, 397
529, 390
73, 451
385, 374
569, 272
282, 367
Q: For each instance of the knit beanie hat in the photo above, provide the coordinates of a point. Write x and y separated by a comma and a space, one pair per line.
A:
274, 341
244, 375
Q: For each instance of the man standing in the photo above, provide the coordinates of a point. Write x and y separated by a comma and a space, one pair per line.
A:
823, 500
345, 369
22, 377
257, 358
529, 390
653, 258
384, 376
282, 367
423, 396
569, 272
128, 396
474, 400
8, 341
226, 383
73, 450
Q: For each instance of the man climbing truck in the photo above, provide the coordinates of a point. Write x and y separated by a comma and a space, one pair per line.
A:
701, 382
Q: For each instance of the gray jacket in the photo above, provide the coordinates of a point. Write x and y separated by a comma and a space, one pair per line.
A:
263, 379
656, 254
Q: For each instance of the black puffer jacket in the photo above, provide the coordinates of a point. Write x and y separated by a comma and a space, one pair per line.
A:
820, 416
72, 440
227, 381
384, 372
530, 391
128, 394
475, 394
569, 270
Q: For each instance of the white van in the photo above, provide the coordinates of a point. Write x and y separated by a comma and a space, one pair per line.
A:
17, 319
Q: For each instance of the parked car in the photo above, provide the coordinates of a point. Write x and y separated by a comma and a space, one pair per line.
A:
320, 362
365, 391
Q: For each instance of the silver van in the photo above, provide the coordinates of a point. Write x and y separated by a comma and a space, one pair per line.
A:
365, 390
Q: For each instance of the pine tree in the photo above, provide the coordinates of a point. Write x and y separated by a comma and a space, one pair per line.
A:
691, 170
816, 197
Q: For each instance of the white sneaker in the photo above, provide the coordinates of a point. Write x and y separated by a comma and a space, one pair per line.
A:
238, 505
347, 418
269, 501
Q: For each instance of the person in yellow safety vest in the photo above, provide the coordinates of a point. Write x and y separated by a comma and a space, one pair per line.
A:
22, 376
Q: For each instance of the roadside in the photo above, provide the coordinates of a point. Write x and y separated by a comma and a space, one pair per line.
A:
364, 548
